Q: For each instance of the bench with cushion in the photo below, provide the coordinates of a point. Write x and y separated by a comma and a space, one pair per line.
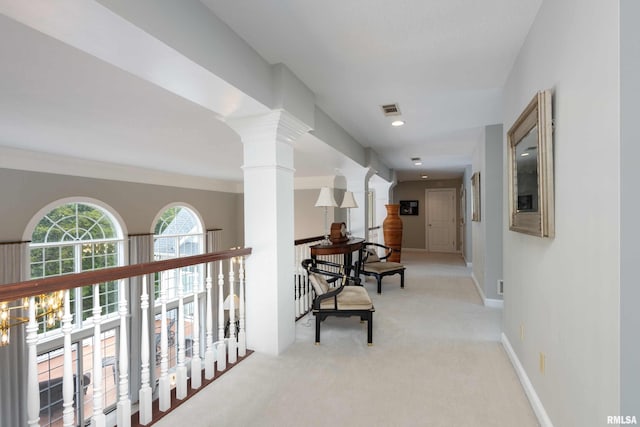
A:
370, 264
335, 296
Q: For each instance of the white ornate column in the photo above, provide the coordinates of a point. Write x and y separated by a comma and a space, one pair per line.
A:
196, 362
209, 354
357, 183
124, 403
98, 419
268, 215
146, 393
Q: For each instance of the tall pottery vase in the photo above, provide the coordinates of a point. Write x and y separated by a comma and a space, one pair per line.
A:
392, 228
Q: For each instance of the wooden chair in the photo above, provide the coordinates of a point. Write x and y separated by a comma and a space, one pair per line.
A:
336, 297
370, 264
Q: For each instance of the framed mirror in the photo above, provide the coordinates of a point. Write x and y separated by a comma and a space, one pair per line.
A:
530, 169
475, 200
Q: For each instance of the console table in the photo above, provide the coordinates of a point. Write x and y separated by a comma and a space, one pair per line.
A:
347, 249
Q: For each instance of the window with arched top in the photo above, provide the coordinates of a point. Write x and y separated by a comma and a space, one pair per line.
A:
72, 237
178, 232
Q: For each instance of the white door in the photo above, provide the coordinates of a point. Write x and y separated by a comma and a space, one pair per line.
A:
441, 220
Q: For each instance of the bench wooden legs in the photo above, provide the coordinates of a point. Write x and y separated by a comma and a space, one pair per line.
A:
364, 316
380, 276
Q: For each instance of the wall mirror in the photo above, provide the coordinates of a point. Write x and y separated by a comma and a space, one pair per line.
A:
530, 174
475, 201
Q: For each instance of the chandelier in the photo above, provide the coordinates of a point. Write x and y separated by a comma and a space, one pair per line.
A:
47, 306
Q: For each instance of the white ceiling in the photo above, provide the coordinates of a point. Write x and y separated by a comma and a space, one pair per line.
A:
444, 62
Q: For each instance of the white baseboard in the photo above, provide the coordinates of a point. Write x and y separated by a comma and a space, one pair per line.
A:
488, 302
494, 303
536, 404
466, 261
478, 288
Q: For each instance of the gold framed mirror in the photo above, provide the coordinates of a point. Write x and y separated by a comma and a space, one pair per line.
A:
530, 169
475, 201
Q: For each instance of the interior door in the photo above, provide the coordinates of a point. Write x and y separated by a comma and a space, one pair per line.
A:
441, 220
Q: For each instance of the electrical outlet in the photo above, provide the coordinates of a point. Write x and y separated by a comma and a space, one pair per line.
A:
543, 362
521, 332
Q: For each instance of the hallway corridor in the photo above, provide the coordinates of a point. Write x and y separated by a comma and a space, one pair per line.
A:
437, 360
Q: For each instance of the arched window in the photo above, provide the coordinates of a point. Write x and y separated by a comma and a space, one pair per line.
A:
76, 237
72, 237
178, 232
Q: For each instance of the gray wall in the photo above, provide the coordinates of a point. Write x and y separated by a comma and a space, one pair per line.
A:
630, 206
565, 291
309, 220
487, 233
493, 209
25, 193
468, 235
413, 227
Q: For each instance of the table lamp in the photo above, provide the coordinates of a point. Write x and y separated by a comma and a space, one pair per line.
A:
348, 202
326, 200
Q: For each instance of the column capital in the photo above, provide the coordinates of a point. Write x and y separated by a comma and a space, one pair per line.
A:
278, 125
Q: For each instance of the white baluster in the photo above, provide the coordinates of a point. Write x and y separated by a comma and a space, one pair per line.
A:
33, 390
164, 391
124, 403
98, 419
209, 355
181, 368
297, 295
300, 307
221, 356
196, 363
68, 415
242, 335
233, 343
146, 394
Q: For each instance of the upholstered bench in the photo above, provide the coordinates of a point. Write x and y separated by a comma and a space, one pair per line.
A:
341, 299
371, 264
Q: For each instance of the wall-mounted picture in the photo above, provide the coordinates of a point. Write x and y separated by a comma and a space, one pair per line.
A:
475, 201
408, 207
530, 164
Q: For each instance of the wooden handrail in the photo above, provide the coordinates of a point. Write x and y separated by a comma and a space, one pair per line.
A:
45, 285
307, 240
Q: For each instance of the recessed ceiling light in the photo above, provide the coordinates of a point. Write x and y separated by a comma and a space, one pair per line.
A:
418, 163
525, 154
424, 177
397, 123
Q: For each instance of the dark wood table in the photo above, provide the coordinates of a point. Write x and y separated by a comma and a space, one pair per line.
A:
347, 249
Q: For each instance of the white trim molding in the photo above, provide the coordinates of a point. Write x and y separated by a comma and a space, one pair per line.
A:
487, 302
536, 403
494, 303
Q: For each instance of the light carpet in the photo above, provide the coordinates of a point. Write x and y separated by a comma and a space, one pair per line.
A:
436, 361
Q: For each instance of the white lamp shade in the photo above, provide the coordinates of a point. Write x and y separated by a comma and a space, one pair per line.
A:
348, 201
227, 302
325, 199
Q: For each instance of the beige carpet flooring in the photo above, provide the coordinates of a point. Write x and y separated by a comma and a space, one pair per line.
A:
436, 361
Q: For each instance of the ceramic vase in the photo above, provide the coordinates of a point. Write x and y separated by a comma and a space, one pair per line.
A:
392, 229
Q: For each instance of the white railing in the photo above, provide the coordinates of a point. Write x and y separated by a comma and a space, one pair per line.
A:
375, 235
302, 289
184, 375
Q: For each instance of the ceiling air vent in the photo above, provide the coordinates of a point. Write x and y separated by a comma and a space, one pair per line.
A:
391, 110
